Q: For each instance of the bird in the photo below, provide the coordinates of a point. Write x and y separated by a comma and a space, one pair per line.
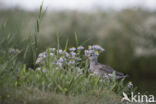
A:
104, 71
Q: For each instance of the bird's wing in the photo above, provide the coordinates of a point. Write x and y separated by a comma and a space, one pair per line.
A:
105, 68
109, 70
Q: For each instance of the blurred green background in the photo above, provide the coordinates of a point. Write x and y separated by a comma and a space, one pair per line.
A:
128, 36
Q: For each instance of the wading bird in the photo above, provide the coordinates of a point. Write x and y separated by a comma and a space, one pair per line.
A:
100, 69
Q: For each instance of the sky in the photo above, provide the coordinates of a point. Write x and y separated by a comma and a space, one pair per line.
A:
80, 4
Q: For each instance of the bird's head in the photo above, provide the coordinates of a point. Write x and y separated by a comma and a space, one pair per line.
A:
92, 55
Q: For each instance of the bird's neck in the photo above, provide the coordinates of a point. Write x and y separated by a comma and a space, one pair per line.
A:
93, 61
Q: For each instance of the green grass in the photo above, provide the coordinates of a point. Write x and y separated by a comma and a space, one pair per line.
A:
31, 95
21, 85
51, 85
55, 87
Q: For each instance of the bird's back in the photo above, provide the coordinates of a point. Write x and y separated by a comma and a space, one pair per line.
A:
106, 70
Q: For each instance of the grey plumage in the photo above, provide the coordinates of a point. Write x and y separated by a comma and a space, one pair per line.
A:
103, 70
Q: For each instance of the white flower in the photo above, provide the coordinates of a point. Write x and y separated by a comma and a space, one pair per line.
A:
72, 49
90, 47
51, 54
130, 84
67, 54
72, 62
96, 47
80, 48
60, 51
59, 64
73, 53
60, 59
87, 53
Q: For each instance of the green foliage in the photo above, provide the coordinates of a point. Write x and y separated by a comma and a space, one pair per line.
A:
66, 81
35, 96
34, 43
20, 83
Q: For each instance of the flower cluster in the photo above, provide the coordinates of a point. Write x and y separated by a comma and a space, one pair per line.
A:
61, 57
72, 49
41, 56
80, 48
70, 57
94, 49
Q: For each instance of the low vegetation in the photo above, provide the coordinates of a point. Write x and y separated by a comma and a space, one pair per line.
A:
56, 76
